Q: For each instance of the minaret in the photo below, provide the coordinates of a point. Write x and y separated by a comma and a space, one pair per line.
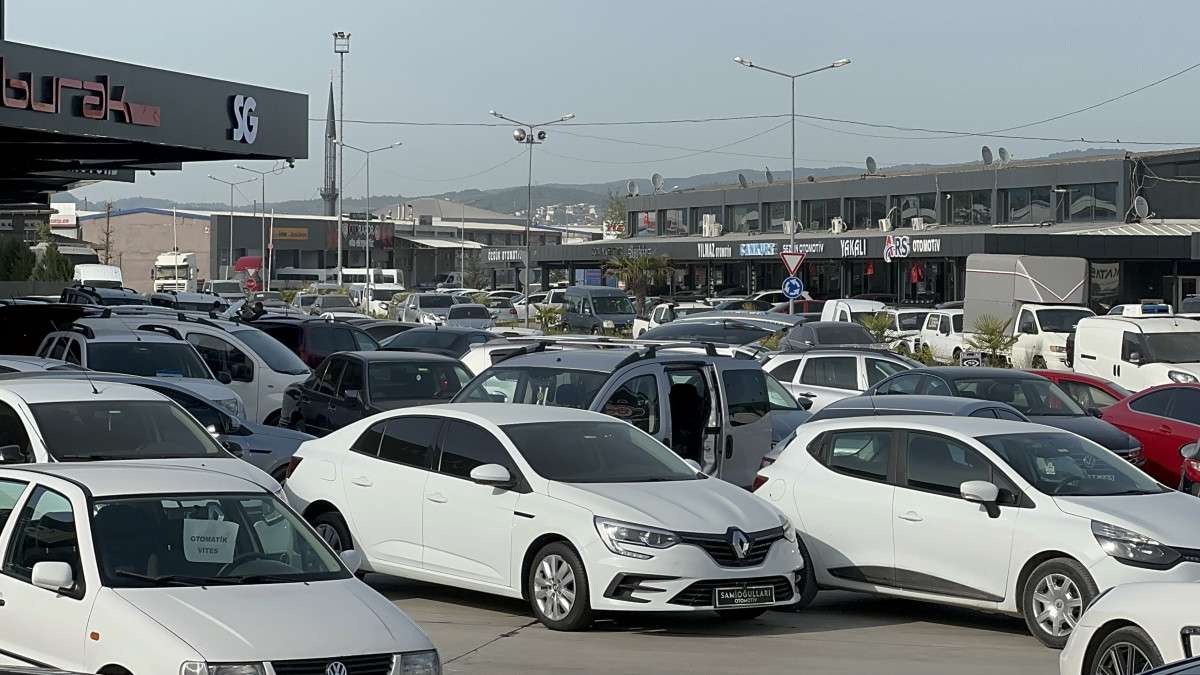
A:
329, 190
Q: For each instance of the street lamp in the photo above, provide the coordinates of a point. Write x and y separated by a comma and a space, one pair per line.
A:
525, 133
370, 229
232, 185
341, 47
263, 175
745, 61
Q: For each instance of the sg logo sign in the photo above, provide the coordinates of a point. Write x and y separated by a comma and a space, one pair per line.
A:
896, 246
245, 122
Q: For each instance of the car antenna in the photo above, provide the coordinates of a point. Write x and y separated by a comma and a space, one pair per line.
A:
82, 369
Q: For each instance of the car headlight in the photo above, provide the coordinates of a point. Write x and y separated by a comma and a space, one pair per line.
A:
1058, 350
1180, 376
232, 406
417, 663
789, 532
202, 668
615, 534
1132, 548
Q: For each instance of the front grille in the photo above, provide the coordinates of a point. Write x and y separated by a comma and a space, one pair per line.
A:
701, 593
720, 548
371, 664
1189, 554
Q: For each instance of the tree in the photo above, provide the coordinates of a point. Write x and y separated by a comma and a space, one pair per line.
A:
16, 260
877, 325
993, 339
615, 215
53, 265
549, 316
473, 275
640, 273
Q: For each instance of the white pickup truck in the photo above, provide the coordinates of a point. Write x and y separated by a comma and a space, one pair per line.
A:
942, 334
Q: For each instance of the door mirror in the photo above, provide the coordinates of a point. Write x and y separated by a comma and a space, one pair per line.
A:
12, 454
233, 448
1095, 412
805, 401
53, 575
1190, 451
224, 377
491, 474
1135, 358
982, 492
352, 559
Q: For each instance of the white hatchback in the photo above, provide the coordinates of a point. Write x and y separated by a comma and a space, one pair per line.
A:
573, 510
1005, 516
137, 569
1134, 628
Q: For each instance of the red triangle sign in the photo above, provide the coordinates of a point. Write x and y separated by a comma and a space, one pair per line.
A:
792, 261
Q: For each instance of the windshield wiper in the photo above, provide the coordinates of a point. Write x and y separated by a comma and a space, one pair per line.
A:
267, 578
177, 579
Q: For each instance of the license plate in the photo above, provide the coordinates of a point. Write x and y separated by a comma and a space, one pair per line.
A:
744, 597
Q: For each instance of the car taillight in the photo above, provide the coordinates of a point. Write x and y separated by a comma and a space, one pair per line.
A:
1192, 468
292, 464
759, 481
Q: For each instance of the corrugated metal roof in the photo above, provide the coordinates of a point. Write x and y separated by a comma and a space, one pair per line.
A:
1160, 229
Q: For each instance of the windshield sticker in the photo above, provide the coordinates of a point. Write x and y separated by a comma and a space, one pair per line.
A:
209, 541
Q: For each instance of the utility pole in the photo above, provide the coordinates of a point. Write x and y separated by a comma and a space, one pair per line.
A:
341, 47
107, 229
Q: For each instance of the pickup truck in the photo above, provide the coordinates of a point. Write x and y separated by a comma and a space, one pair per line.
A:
942, 334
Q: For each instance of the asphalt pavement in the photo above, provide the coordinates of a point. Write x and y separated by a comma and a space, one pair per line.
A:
839, 633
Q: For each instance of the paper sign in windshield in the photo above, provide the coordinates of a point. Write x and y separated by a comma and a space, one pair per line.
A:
209, 541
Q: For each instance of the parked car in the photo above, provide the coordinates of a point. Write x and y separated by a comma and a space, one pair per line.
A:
189, 302
811, 334
426, 308
352, 385
850, 310
597, 309
510, 295
1090, 392
1036, 397
1164, 419
728, 332
380, 302
555, 297
228, 290
787, 411
501, 309
942, 335
303, 300
1137, 350
382, 329
177, 569
313, 340
469, 315
331, 302
98, 295
572, 510
1135, 628
446, 341
900, 404
1026, 519
666, 312
824, 375
904, 329
707, 408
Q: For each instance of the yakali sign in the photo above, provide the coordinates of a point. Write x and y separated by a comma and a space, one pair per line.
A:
97, 99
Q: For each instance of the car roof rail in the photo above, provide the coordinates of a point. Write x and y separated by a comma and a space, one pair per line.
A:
520, 351
159, 328
83, 330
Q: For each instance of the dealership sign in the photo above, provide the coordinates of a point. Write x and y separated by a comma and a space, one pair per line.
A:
98, 99
504, 255
245, 122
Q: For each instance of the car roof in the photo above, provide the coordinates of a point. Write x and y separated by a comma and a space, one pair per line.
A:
847, 350
453, 330
514, 413
603, 360
968, 426
1156, 324
133, 477
950, 405
107, 330
955, 372
32, 361
388, 355
35, 390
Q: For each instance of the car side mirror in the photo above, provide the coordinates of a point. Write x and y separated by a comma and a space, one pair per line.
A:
1095, 412
1190, 451
982, 492
353, 398
12, 454
1135, 358
805, 401
224, 377
351, 559
492, 474
53, 575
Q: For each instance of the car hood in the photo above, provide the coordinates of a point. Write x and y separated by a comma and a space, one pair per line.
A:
708, 505
784, 422
281, 433
208, 389
1169, 517
271, 622
1092, 428
231, 466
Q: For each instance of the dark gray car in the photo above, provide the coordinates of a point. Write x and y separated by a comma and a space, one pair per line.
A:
597, 309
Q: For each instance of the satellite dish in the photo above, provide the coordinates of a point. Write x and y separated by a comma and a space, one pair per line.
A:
1004, 155
742, 180
987, 156
1141, 207
811, 178
770, 176
630, 188
636, 190
872, 167
657, 181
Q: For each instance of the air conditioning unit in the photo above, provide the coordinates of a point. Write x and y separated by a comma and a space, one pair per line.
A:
918, 223
709, 227
885, 224
837, 225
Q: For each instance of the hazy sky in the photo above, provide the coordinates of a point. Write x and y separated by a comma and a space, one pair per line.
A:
941, 64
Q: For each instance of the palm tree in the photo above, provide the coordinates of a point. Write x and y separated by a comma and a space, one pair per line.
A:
640, 273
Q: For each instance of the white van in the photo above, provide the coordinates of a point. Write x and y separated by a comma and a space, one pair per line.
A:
1138, 351
850, 310
98, 276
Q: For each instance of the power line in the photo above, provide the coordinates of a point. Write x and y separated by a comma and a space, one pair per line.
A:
684, 120
671, 159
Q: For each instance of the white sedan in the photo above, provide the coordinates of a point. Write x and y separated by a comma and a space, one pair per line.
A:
572, 510
1134, 628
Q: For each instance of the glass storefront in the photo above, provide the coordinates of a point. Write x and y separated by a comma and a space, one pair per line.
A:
777, 215
969, 207
822, 278
927, 282
645, 224
871, 276
698, 213
865, 212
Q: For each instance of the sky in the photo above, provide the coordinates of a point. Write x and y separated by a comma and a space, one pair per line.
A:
941, 64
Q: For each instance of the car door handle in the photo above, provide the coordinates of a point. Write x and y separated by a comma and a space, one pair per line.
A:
437, 498
1164, 428
361, 481
910, 516
728, 447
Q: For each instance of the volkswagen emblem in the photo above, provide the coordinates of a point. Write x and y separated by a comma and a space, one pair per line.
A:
336, 668
739, 542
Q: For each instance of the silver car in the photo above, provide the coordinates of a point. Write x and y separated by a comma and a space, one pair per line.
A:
427, 308
470, 315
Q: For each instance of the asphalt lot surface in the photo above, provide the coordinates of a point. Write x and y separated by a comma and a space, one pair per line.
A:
840, 633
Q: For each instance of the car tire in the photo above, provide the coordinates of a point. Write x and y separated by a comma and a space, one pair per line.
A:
332, 528
1054, 597
1129, 648
748, 614
808, 580
1038, 363
956, 359
556, 576
595, 330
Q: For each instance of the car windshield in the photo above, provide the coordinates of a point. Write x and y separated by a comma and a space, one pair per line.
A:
780, 398
129, 299
468, 312
612, 304
226, 287
744, 306
1061, 320
306, 300
77, 431
335, 301
435, 301
1065, 465
199, 306
1174, 347
268, 295
1029, 395
383, 294
415, 339
596, 452
206, 540
843, 334
911, 320
277, 357
406, 381
540, 386
499, 303
148, 359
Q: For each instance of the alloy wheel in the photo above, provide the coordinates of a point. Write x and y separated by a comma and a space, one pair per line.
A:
330, 534
1123, 658
1057, 604
554, 587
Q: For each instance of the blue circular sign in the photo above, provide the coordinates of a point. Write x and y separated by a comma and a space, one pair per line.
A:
793, 287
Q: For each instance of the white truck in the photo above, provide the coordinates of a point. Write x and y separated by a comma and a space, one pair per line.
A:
175, 271
1042, 298
98, 276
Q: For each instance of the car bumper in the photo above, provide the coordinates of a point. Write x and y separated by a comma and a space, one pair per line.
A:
1108, 573
684, 578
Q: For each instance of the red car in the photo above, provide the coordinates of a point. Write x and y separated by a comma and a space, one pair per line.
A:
1090, 392
1165, 419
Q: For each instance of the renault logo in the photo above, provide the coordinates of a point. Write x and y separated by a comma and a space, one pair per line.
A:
335, 668
739, 542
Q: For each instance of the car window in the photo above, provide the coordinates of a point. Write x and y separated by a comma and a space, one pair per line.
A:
466, 446
287, 334
910, 320
330, 374
934, 386
148, 359
1004, 414
1186, 406
1154, 403
878, 369
368, 443
636, 401
206, 414
1027, 324
786, 371
1131, 347
44, 532
539, 386
932, 322
839, 372
746, 395
410, 441
59, 348
327, 339
363, 342
781, 398
989, 413
85, 430
944, 325
865, 454
351, 380
415, 380
941, 465
904, 384
273, 352
596, 452
223, 357
1063, 464
12, 431
10, 494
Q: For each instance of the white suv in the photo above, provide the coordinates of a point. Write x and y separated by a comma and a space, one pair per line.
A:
827, 374
1004, 516
573, 510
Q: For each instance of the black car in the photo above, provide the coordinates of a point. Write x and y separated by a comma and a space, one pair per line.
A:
811, 334
900, 404
1036, 397
382, 329
719, 331
313, 340
98, 295
445, 340
349, 386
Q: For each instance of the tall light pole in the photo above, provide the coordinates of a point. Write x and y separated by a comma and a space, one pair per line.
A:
341, 47
745, 61
232, 185
370, 230
525, 133
263, 175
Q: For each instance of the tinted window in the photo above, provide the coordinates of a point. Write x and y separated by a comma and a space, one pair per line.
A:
1131, 347
352, 379
323, 339
1187, 406
469, 312
336, 302
100, 430
206, 414
944, 325
419, 338
10, 494
148, 359
746, 396
1003, 414
612, 304
989, 413
721, 332
905, 384
1174, 347
409, 441
73, 355
45, 532
935, 386
434, 301
1030, 396
839, 372
596, 452
539, 386
636, 402
843, 334
941, 465
1058, 463
287, 334
223, 357
466, 446
957, 320
861, 453
401, 380
368, 443
331, 372
910, 320
786, 371
1154, 403
878, 369
12, 431
59, 348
